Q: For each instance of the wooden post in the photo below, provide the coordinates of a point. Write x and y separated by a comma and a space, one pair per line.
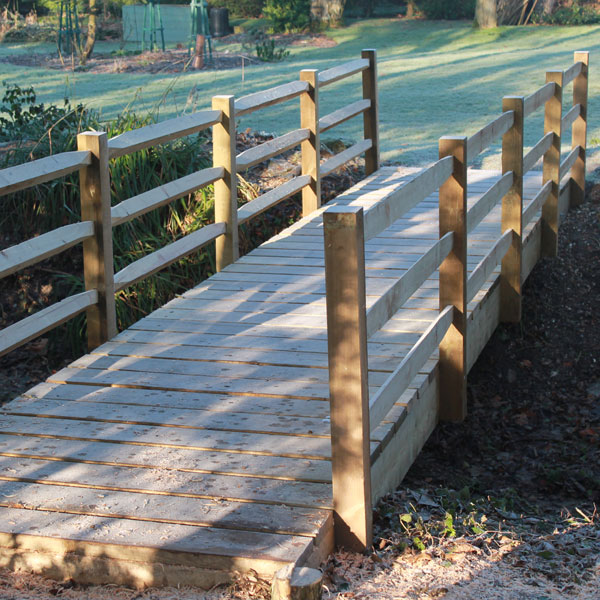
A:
98, 270
224, 154
198, 61
311, 148
371, 116
348, 384
579, 134
512, 212
552, 123
453, 283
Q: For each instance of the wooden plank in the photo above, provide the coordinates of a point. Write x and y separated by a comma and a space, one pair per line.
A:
568, 162
154, 262
536, 204
381, 403
311, 147
488, 201
345, 156
537, 152
572, 72
160, 133
142, 203
571, 116
264, 98
44, 246
579, 131
35, 325
348, 376
341, 115
386, 212
479, 141
371, 115
342, 71
253, 156
487, 266
538, 98
388, 304
42, 170
272, 197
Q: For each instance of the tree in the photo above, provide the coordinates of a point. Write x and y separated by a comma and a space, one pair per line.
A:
91, 31
328, 11
486, 16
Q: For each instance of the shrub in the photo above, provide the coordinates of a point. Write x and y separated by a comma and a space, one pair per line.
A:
446, 9
288, 15
240, 8
575, 14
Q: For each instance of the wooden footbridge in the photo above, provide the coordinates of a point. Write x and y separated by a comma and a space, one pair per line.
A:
252, 422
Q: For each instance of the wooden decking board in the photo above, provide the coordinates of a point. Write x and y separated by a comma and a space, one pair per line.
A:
199, 437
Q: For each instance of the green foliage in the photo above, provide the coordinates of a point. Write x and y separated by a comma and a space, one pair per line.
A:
446, 9
287, 15
240, 8
268, 51
575, 14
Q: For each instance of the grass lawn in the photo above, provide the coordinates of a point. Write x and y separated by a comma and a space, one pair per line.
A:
435, 78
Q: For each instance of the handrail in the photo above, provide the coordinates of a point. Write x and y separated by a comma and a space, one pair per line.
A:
154, 262
335, 162
381, 215
537, 203
42, 170
274, 95
537, 152
565, 165
257, 154
339, 116
573, 71
35, 325
479, 141
482, 207
272, 197
44, 246
386, 306
142, 203
538, 98
342, 71
159, 133
398, 381
570, 118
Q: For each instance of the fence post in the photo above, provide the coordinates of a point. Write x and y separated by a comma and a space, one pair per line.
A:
311, 148
512, 212
98, 269
371, 116
453, 283
224, 155
348, 383
579, 134
552, 123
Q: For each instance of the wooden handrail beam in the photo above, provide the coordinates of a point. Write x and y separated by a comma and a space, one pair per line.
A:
538, 98
565, 165
44, 246
571, 117
382, 214
537, 203
272, 197
337, 161
279, 145
42, 170
264, 98
386, 306
35, 325
342, 71
488, 263
395, 385
152, 263
337, 117
160, 133
142, 203
573, 71
484, 205
537, 152
479, 141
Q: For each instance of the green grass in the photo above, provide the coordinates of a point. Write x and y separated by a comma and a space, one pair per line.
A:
436, 78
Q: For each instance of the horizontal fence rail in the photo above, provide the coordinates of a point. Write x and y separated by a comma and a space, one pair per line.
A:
488, 200
342, 71
486, 136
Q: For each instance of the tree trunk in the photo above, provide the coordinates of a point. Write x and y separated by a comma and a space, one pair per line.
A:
485, 14
410, 9
549, 6
91, 33
328, 11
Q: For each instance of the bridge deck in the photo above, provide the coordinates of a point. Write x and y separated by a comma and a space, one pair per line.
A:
197, 442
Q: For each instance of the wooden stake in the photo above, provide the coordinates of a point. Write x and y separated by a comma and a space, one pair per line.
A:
348, 384
453, 283
579, 134
311, 148
301, 583
198, 61
512, 212
552, 123
224, 153
94, 182
371, 116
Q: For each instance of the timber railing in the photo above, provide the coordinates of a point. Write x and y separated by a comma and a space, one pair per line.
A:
92, 160
355, 413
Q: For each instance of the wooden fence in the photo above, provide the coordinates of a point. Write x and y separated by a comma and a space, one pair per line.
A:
355, 414
92, 160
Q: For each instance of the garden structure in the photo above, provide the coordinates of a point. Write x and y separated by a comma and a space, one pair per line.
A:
255, 420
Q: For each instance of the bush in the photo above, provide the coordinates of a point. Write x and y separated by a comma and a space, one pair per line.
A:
287, 15
240, 8
446, 9
575, 14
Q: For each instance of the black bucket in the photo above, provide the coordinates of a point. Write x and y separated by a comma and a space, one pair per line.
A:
219, 22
